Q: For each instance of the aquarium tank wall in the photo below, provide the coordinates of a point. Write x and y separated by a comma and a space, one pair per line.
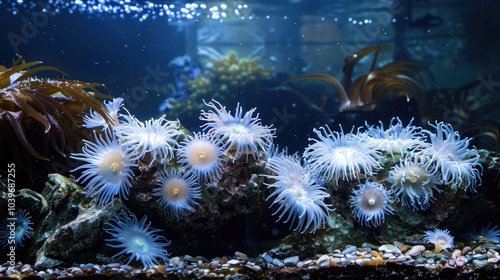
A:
249, 139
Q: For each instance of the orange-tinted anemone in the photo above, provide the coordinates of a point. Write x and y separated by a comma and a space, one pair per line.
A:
39, 113
394, 79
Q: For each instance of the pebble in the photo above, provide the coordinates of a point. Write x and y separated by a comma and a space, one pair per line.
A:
190, 259
349, 249
278, 263
26, 268
233, 262
76, 271
388, 248
480, 263
267, 258
322, 259
291, 261
416, 250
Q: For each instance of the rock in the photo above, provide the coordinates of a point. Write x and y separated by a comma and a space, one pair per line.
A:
349, 249
415, 250
389, 248
291, 261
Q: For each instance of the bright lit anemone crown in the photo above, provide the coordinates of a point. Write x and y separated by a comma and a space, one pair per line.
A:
177, 192
108, 168
397, 139
201, 154
414, 183
156, 137
244, 133
441, 239
42, 113
297, 194
137, 239
458, 165
370, 203
341, 156
22, 230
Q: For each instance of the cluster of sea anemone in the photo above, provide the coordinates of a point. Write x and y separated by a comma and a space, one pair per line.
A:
417, 163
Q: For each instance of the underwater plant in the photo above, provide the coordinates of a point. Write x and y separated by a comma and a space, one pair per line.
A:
137, 239
370, 203
44, 109
177, 192
399, 78
15, 232
108, 167
338, 155
245, 134
299, 197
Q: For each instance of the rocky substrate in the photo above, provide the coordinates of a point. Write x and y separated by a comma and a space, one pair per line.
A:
390, 261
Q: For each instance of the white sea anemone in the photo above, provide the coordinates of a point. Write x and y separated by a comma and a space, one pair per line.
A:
201, 155
108, 167
457, 164
338, 155
413, 183
178, 192
441, 239
371, 202
154, 136
96, 120
135, 238
396, 139
14, 232
246, 134
298, 195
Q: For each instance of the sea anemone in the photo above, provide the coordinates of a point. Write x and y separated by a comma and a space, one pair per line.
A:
96, 120
458, 164
201, 154
489, 233
15, 230
371, 202
177, 192
413, 182
397, 139
338, 155
441, 239
156, 137
109, 167
298, 195
246, 134
135, 238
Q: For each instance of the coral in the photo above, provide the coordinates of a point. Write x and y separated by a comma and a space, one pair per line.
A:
201, 155
155, 137
338, 155
441, 239
14, 232
371, 202
245, 134
414, 183
137, 239
177, 192
299, 196
108, 167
